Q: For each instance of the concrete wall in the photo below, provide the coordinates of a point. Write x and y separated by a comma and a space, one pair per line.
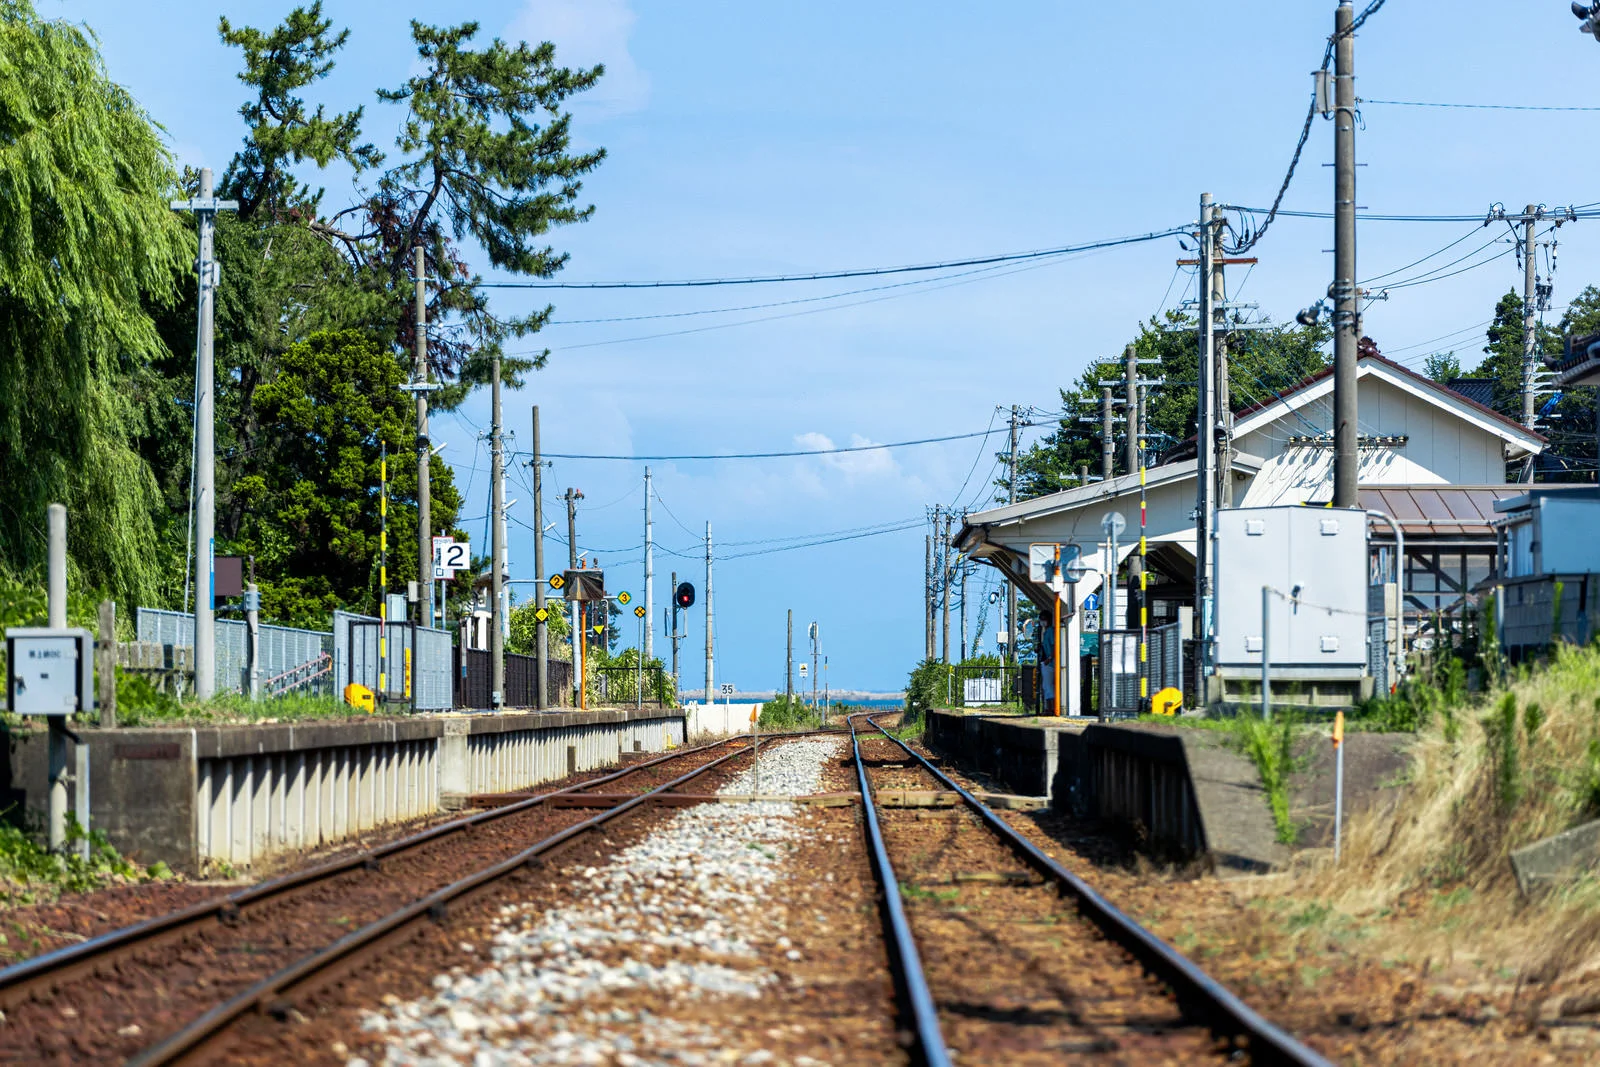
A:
718, 720
240, 794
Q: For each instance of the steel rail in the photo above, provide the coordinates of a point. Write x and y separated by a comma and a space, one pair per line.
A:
904, 960
270, 993
1199, 995
18, 981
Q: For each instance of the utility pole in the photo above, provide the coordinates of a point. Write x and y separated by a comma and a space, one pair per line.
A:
944, 589
1204, 422
205, 207
542, 650
497, 542
816, 638
649, 576
1346, 308
1223, 405
709, 675
963, 612
1530, 316
419, 378
674, 635
56, 520
1131, 406
1011, 587
573, 606
1108, 451
788, 669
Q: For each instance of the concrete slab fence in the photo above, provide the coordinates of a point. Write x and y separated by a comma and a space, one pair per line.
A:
240, 795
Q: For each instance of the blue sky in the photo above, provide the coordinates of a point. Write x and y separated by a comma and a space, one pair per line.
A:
754, 138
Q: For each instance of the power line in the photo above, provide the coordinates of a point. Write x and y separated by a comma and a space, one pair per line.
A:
777, 455
1476, 107
863, 272
915, 524
771, 304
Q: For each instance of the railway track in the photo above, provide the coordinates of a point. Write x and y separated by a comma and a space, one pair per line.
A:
1001, 955
180, 979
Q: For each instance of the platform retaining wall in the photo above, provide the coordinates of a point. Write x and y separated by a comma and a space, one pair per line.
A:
1136, 778
238, 795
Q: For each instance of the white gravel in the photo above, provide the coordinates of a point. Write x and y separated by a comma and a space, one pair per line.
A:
676, 919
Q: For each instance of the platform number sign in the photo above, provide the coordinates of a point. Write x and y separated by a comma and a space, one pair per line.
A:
449, 557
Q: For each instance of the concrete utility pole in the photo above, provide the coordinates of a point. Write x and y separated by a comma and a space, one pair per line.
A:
927, 597
419, 376
205, 207
673, 635
1108, 448
497, 474
573, 606
816, 638
709, 673
1131, 406
946, 573
1530, 316
1346, 306
788, 661
542, 641
56, 519
649, 576
1223, 405
1204, 436
963, 612
1011, 497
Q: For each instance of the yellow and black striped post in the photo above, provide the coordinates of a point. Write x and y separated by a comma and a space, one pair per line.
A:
1144, 585
383, 564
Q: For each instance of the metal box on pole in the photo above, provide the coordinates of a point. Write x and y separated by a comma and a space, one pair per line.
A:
49, 670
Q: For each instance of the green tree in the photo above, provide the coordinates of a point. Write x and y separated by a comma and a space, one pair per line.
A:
282, 132
1442, 367
88, 245
1262, 364
485, 153
525, 630
312, 519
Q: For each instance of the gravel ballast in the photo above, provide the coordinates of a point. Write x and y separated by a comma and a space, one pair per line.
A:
661, 932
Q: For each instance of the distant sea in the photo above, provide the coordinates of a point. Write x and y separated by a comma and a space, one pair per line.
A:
878, 702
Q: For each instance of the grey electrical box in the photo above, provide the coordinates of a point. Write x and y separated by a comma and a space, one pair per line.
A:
49, 671
1315, 556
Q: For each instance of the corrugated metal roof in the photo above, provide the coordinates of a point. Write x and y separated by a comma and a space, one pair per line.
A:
1438, 510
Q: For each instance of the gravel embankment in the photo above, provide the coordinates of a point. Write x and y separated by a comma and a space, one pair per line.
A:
675, 922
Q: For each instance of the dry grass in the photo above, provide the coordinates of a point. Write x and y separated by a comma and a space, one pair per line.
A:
1430, 878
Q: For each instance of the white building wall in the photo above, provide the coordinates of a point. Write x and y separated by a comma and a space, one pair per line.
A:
1441, 448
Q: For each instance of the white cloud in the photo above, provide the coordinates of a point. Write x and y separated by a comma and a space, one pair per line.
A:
876, 462
586, 32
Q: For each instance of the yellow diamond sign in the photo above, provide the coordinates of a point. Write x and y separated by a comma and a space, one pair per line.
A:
556, 581
543, 614
623, 597
639, 611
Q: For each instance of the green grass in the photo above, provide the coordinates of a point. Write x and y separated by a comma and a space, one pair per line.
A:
1270, 746
32, 874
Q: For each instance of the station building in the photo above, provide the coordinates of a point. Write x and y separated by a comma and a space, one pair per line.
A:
1431, 457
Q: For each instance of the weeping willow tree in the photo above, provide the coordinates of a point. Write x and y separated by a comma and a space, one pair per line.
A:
87, 244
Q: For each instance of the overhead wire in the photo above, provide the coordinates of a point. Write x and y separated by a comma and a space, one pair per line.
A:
933, 285
776, 455
862, 272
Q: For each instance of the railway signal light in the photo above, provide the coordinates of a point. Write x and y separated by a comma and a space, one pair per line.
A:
684, 595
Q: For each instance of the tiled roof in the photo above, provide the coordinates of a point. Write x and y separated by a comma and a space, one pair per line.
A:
1441, 510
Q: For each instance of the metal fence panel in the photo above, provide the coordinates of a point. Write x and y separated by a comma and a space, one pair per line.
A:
283, 649
433, 689
355, 650
1119, 666
1378, 653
